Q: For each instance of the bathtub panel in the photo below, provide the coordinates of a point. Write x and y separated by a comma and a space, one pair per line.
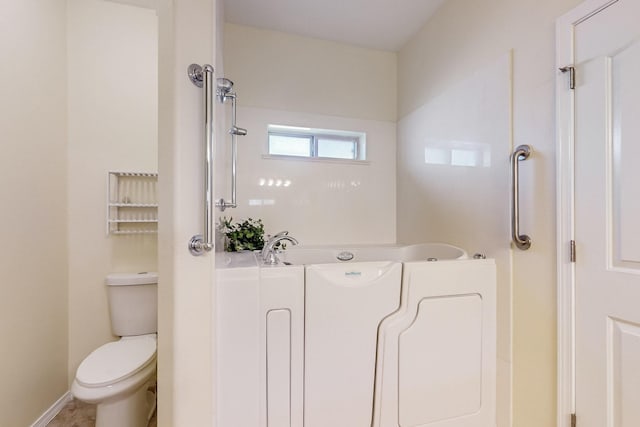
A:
279, 368
260, 343
440, 361
281, 338
237, 332
466, 295
344, 305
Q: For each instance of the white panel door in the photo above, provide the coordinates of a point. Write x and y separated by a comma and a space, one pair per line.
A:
607, 233
344, 306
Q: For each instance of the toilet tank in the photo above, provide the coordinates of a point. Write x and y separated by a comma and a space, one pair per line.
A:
133, 303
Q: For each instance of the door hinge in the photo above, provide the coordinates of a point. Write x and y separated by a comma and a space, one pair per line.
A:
572, 75
574, 421
572, 251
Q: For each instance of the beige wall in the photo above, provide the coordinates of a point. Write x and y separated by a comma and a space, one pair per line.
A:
299, 81
293, 73
187, 34
463, 37
33, 261
112, 90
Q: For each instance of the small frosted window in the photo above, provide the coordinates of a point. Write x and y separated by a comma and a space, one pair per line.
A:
289, 145
316, 143
337, 148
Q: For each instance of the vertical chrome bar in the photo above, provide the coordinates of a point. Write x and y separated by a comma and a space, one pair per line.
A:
208, 158
224, 88
234, 172
234, 153
522, 241
199, 244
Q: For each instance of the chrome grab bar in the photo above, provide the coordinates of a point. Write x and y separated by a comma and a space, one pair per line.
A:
203, 76
522, 241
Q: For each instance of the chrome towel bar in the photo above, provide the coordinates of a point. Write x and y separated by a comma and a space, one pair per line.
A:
522, 241
203, 76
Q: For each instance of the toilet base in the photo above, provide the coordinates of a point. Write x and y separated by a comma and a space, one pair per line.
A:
133, 411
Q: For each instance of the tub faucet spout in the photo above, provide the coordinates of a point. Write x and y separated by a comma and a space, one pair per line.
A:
269, 254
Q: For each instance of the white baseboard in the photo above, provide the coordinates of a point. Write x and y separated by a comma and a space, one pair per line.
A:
53, 410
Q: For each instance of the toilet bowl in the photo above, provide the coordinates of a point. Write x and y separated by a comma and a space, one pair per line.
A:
116, 368
119, 377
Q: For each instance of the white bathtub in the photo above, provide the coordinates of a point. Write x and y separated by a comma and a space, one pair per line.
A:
393, 336
306, 255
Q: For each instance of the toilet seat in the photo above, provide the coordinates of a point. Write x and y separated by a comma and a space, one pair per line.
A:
116, 361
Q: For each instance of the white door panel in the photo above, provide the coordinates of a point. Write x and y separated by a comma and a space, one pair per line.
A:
607, 217
626, 152
344, 305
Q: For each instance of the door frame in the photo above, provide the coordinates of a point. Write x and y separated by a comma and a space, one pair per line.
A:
565, 204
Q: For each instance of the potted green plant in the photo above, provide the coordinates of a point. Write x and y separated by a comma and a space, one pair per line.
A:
247, 235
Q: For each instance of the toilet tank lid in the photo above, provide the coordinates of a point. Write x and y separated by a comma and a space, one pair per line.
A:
123, 279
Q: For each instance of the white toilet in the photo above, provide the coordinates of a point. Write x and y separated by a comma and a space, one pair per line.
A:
117, 375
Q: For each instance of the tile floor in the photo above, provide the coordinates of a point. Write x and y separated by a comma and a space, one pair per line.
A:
80, 414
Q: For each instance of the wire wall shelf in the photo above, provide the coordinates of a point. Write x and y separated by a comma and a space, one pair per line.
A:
132, 206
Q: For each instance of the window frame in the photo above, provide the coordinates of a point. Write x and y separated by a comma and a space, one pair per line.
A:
358, 139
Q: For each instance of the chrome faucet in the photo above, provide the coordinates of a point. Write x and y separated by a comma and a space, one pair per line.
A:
269, 255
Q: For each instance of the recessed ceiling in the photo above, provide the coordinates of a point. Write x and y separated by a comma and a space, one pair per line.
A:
378, 24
